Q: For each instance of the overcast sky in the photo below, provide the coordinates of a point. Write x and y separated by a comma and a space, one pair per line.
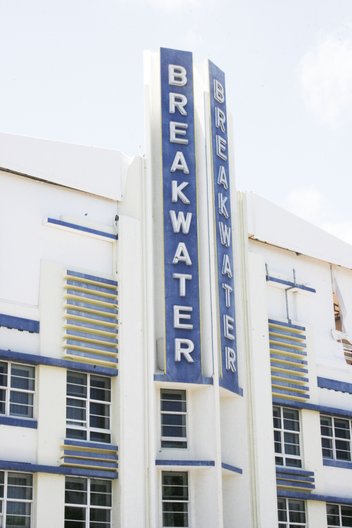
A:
72, 70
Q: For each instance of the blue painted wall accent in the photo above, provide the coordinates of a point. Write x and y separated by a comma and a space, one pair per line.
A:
339, 386
223, 228
32, 359
78, 227
313, 407
91, 277
19, 422
195, 463
345, 464
95, 445
293, 471
229, 467
19, 323
180, 369
59, 470
314, 496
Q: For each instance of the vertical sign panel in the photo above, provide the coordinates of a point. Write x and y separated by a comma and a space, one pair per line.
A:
223, 227
181, 277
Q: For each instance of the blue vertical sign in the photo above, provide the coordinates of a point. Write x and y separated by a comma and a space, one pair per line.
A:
181, 276
223, 227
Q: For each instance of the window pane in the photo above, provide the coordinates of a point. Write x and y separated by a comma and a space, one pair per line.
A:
3, 374
76, 491
2, 401
342, 428
19, 486
100, 388
76, 384
22, 377
74, 514
100, 493
100, 514
21, 404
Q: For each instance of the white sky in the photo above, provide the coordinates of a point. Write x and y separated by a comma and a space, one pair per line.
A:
72, 70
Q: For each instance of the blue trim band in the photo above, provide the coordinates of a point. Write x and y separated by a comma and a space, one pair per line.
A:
293, 471
313, 496
94, 445
345, 464
235, 390
19, 323
78, 227
288, 367
282, 358
88, 454
278, 339
287, 376
284, 483
290, 393
88, 462
193, 463
287, 325
290, 284
274, 346
91, 277
19, 422
231, 468
59, 470
339, 386
33, 359
313, 407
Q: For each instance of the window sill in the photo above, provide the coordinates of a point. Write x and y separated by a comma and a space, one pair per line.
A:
19, 422
345, 464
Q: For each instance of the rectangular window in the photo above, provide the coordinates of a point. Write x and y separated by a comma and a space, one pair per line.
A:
173, 418
339, 515
175, 499
292, 513
17, 385
87, 503
335, 437
287, 437
15, 499
88, 407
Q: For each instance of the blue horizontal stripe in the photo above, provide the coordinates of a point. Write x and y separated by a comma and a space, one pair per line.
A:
84, 324
288, 376
286, 334
95, 318
31, 359
202, 380
93, 445
285, 384
60, 470
85, 295
19, 323
336, 385
93, 287
286, 341
288, 367
229, 467
77, 342
290, 393
333, 411
89, 335
87, 462
91, 277
273, 346
288, 325
97, 357
314, 496
19, 422
81, 228
293, 471
292, 359
196, 463
111, 310
290, 284
345, 464
293, 483
89, 454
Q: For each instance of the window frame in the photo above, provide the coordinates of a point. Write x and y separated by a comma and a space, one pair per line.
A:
88, 506
182, 442
5, 500
340, 520
281, 430
288, 510
86, 400
168, 500
10, 390
333, 439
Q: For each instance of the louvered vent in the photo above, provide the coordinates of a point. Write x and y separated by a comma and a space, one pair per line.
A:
288, 361
91, 312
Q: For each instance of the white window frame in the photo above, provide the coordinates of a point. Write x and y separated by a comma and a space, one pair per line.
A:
188, 501
174, 439
339, 506
333, 438
86, 427
88, 506
282, 432
288, 523
10, 390
5, 500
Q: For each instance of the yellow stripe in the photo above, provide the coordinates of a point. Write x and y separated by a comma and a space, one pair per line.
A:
78, 298
90, 331
82, 359
91, 292
91, 321
90, 311
89, 449
90, 281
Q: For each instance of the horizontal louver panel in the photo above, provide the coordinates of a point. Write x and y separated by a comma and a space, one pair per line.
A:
288, 361
91, 319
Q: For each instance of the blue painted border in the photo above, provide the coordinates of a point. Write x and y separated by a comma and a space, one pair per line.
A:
91, 277
18, 422
290, 284
78, 227
94, 445
287, 325
33, 359
201, 381
19, 323
336, 385
59, 470
312, 407
288, 470
314, 496
345, 464
231, 468
193, 463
